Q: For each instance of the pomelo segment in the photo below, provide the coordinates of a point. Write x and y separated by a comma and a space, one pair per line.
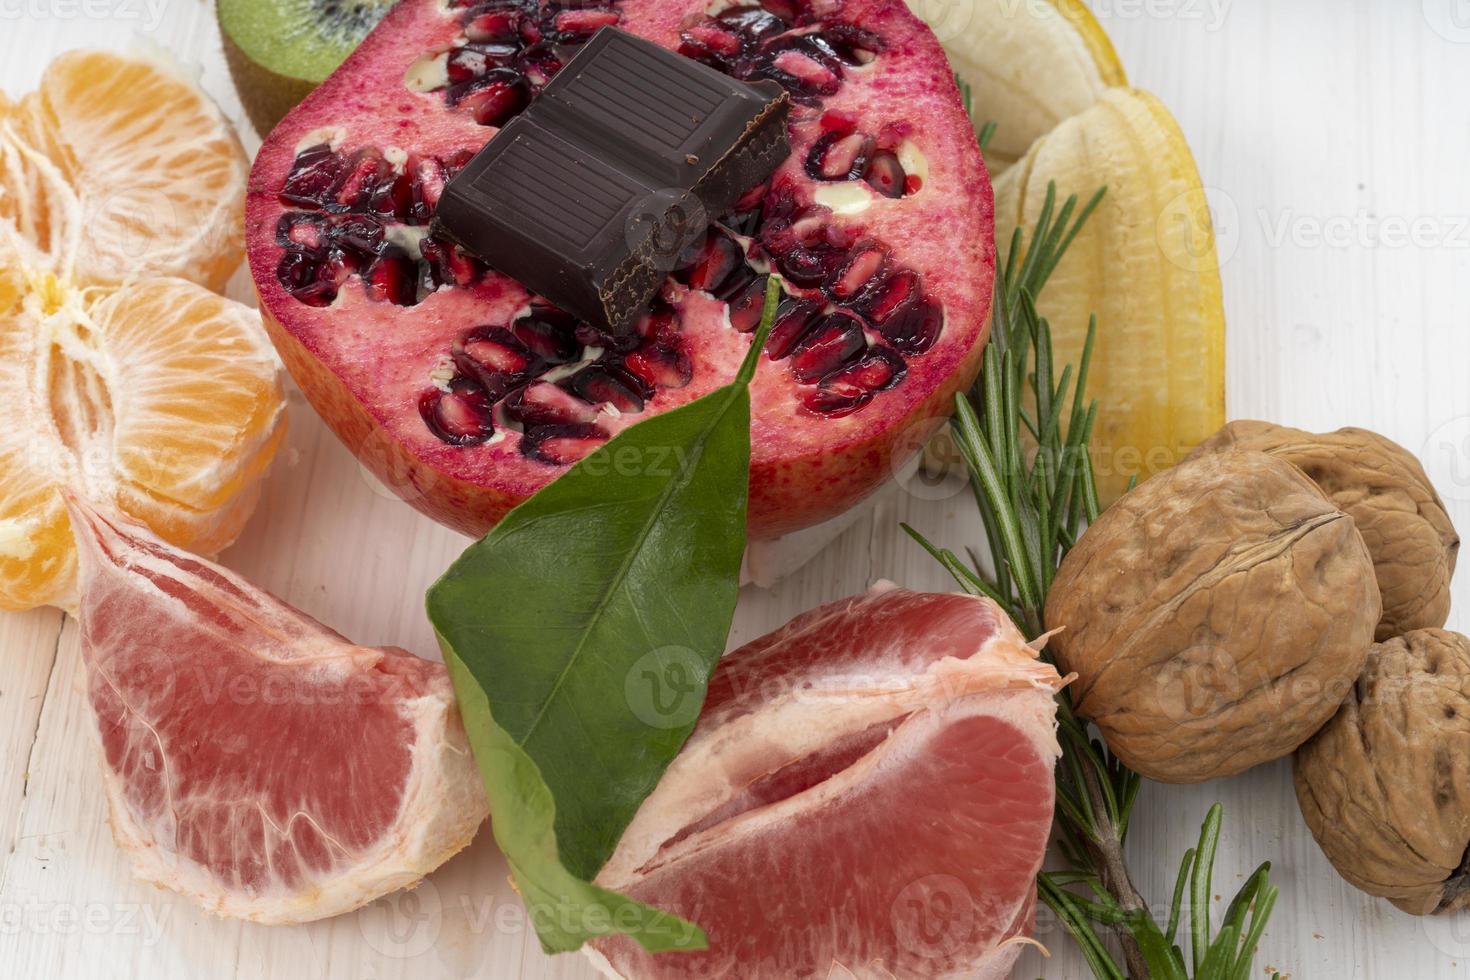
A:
1030, 64
255, 761
868, 792
1146, 264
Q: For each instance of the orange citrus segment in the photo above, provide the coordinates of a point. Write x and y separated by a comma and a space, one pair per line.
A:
37, 563
163, 399
154, 174
202, 399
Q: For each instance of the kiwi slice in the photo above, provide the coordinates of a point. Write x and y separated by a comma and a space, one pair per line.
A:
279, 50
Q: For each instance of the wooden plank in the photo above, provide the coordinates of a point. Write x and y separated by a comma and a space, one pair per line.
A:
1310, 119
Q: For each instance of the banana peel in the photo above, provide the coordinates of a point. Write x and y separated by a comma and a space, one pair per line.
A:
1029, 65
1146, 264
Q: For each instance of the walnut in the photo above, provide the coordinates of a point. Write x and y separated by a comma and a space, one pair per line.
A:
1387, 494
1385, 786
1216, 616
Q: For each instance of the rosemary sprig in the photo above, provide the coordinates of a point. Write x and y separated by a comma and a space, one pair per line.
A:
1024, 432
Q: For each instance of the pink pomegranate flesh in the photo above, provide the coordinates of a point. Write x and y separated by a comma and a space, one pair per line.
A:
466, 394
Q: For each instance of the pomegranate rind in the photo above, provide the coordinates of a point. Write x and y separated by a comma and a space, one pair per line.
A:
363, 364
316, 777
965, 746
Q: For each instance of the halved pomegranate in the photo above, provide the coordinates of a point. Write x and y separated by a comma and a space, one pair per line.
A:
466, 394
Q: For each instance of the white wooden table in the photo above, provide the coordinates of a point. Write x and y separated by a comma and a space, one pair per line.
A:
1336, 137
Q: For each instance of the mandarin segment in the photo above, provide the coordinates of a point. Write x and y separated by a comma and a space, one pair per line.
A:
202, 410
138, 389
157, 172
162, 398
37, 565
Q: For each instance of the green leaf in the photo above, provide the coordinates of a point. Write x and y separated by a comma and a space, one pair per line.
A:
1199, 886
581, 633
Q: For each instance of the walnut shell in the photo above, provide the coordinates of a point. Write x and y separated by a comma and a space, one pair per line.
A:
1389, 497
1216, 616
1385, 786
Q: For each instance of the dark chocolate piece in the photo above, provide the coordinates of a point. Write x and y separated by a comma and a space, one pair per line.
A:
590, 196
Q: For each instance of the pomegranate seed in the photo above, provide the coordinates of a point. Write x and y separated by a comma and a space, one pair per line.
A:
605, 385
793, 318
882, 299
449, 264
886, 174
562, 445
838, 156
834, 404
580, 25
365, 172
539, 64
914, 328
754, 23
392, 198
801, 69
543, 403
590, 336
851, 43
359, 233
748, 303
864, 267
808, 266
393, 278
531, 32
301, 230
695, 51
716, 40
301, 276
832, 341
429, 178
780, 202
468, 64
494, 98
912, 184
315, 176
494, 358
461, 416
878, 369
658, 322
789, 11
717, 259
551, 341
457, 161
660, 365
339, 267
492, 27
